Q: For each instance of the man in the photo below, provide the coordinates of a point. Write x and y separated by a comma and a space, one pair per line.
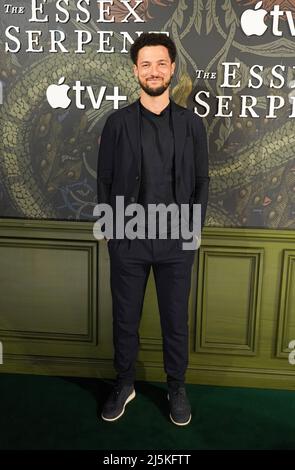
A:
152, 151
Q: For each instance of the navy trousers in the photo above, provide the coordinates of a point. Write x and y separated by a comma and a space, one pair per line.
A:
130, 264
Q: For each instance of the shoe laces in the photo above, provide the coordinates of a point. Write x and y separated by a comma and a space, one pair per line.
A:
179, 395
117, 389
115, 393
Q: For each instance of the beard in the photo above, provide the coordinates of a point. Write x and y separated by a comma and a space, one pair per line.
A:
155, 91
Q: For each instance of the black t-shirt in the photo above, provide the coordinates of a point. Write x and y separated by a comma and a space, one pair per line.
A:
157, 162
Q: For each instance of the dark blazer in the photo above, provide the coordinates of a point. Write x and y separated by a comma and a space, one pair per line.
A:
119, 157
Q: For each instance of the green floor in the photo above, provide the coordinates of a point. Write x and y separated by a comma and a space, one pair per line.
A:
38, 412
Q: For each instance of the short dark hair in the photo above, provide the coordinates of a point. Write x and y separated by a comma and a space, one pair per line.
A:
152, 39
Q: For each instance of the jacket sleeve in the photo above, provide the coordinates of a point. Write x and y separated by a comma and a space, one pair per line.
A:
201, 168
105, 163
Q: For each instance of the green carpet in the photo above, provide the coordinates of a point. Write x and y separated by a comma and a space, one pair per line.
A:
39, 412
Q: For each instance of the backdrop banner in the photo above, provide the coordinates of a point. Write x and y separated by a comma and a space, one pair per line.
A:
65, 67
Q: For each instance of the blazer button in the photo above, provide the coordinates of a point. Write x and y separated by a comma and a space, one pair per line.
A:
137, 177
132, 199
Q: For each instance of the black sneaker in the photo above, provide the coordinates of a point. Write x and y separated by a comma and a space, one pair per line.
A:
114, 407
180, 409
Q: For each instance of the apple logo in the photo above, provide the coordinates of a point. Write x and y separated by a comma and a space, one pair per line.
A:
57, 95
252, 21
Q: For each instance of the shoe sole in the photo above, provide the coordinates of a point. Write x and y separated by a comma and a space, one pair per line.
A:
177, 423
133, 395
180, 424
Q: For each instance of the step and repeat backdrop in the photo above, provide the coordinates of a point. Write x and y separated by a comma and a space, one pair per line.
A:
65, 66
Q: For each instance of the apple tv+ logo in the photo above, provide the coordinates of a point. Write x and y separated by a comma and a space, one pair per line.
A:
57, 95
252, 21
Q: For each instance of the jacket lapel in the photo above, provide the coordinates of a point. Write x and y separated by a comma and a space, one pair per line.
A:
179, 129
133, 131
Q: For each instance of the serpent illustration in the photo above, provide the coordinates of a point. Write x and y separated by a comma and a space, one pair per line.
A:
20, 107
273, 150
